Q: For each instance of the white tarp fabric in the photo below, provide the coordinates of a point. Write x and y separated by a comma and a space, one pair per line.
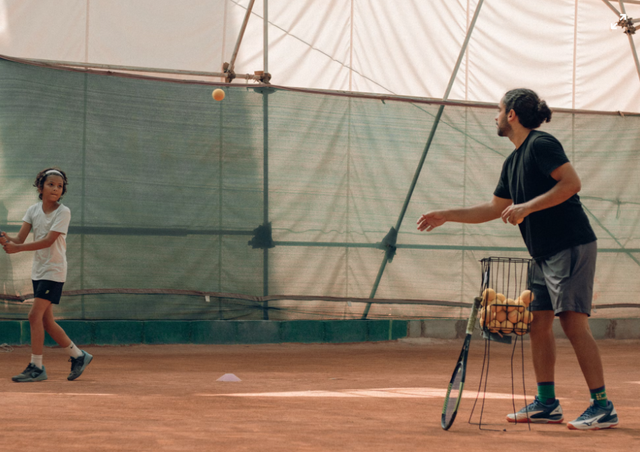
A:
564, 49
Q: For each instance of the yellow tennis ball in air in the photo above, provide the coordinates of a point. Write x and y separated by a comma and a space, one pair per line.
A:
218, 94
488, 295
526, 296
506, 327
520, 328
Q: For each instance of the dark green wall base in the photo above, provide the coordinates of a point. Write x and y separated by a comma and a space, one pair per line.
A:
124, 332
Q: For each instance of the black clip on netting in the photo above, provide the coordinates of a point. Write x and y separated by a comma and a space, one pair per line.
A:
388, 244
263, 238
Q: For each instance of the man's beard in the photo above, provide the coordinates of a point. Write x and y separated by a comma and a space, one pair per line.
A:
503, 130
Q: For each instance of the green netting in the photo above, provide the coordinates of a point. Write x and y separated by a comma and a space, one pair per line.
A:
167, 189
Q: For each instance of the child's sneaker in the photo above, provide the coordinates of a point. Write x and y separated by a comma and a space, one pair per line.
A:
78, 365
538, 413
31, 373
596, 418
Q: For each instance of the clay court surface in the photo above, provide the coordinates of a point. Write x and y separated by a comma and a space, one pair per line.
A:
296, 397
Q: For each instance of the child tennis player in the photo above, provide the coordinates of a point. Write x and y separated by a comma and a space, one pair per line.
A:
49, 220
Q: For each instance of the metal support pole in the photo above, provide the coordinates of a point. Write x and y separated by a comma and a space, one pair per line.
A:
265, 31
232, 63
114, 67
613, 8
631, 43
265, 209
436, 121
635, 54
265, 128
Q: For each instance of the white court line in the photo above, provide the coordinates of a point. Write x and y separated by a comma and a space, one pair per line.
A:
56, 393
393, 393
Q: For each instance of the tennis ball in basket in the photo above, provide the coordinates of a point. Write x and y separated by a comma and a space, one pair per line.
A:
520, 328
520, 306
501, 316
506, 327
527, 317
217, 94
511, 304
500, 298
514, 317
494, 326
526, 296
488, 295
496, 305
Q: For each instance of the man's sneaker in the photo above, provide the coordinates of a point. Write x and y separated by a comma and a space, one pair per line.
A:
596, 418
31, 373
78, 365
538, 413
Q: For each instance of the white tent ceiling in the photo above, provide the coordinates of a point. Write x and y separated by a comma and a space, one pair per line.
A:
564, 49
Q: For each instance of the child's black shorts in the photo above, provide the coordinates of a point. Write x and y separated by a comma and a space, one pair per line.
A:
48, 290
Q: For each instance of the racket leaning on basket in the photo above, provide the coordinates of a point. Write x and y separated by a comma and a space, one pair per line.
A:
456, 384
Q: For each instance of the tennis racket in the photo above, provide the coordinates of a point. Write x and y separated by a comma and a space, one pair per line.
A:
456, 384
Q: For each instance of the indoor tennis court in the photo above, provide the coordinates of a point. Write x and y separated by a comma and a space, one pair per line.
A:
244, 180
307, 397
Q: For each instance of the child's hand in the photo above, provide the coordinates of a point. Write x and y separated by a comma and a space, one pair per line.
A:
10, 248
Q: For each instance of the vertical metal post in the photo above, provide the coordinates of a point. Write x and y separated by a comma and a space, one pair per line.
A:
436, 121
265, 188
83, 190
265, 129
265, 32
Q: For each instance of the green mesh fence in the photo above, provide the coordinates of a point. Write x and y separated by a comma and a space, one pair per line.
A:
276, 203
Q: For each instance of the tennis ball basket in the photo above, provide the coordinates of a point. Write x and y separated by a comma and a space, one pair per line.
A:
506, 295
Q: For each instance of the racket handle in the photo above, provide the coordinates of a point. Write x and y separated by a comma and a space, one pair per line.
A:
474, 314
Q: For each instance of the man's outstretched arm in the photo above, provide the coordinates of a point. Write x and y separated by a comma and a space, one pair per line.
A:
476, 214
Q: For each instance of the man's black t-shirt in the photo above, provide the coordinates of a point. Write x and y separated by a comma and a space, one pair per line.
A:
526, 173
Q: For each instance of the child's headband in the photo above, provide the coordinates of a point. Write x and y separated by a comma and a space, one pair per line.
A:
52, 171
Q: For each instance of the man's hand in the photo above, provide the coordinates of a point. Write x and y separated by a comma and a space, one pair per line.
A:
515, 214
431, 220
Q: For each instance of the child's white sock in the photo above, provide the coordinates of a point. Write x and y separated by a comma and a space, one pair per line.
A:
73, 351
36, 360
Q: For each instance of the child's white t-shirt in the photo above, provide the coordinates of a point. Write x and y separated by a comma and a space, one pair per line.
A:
49, 263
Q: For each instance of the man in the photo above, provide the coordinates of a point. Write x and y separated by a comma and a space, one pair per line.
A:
538, 190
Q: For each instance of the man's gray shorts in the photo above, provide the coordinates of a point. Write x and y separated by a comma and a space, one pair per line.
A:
564, 281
